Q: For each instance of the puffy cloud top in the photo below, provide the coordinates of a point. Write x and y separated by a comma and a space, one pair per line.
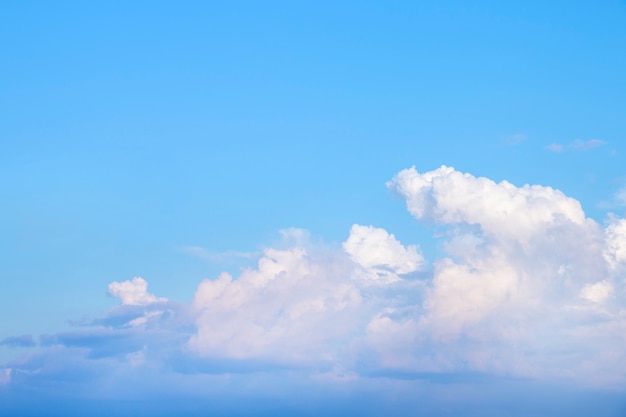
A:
133, 292
379, 251
448, 196
526, 286
291, 309
616, 243
529, 271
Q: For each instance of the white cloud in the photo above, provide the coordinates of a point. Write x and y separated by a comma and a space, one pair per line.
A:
294, 236
142, 320
583, 145
555, 147
528, 286
597, 292
133, 292
577, 145
300, 305
502, 210
292, 309
615, 233
522, 277
380, 253
218, 257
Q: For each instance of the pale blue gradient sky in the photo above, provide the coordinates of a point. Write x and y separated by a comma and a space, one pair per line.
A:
131, 131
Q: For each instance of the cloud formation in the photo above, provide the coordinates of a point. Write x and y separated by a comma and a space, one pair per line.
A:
133, 292
380, 253
527, 286
218, 257
25, 340
577, 145
620, 197
525, 265
515, 139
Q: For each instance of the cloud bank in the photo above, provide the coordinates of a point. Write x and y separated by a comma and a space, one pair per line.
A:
526, 286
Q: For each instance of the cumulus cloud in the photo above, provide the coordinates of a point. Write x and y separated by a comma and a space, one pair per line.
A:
597, 292
527, 286
533, 263
502, 210
379, 252
293, 308
615, 235
302, 305
577, 145
133, 292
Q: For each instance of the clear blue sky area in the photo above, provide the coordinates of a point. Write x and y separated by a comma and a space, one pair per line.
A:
174, 140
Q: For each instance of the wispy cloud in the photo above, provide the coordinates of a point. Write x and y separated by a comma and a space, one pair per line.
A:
5, 376
18, 341
589, 144
577, 145
133, 292
515, 139
620, 197
218, 257
554, 147
617, 200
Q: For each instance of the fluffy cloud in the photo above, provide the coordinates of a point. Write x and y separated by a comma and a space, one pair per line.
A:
523, 265
597, 292
302, 305
501, 210
291, 309
380, 253
616, 243
133, 292
527, 286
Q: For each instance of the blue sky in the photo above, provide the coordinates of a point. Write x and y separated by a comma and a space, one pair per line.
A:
274, 142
